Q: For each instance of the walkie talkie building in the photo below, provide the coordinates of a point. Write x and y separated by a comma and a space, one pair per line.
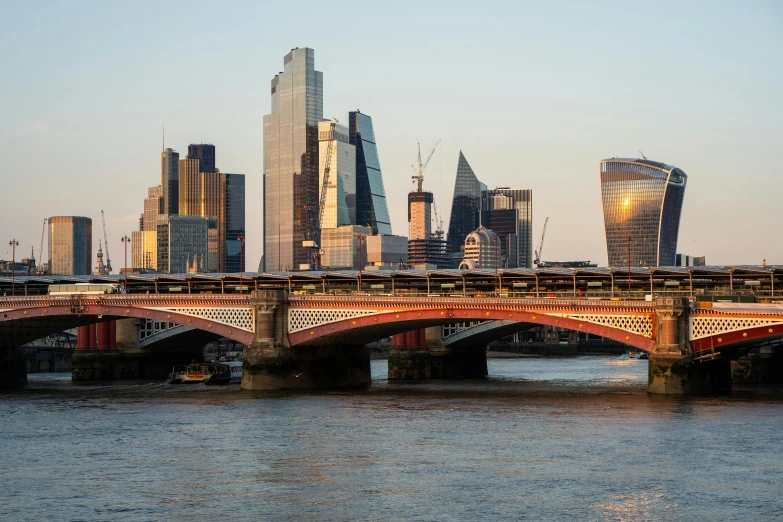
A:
642, 200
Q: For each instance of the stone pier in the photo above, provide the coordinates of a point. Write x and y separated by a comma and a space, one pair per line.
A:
270, 363
673, 369
420, 354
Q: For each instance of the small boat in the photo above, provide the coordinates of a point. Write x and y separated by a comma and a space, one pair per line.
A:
207, 373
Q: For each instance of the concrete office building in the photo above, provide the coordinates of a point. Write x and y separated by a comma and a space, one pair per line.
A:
291, 160
181, 239
482, 250
642, 200
341, 247
70, 245
386, 252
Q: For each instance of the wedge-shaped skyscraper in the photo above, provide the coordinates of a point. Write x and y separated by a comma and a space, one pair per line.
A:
466, 205
642, 200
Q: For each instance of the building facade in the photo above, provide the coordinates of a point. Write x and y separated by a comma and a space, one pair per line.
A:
291, 160
169, 181
522, 201
70, 245
341, 247
371, 206
465, 205
234, 224
642, 203
144, 248
482, 250
205, 154
181, 240
334, 148
153, 206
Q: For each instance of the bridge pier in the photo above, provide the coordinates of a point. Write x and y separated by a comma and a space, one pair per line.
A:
673, 369
433, 360
270, 363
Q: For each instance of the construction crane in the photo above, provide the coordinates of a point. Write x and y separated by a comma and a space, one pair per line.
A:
106, 244
418, 167
438, 222
315, 228
537, 260
41, 269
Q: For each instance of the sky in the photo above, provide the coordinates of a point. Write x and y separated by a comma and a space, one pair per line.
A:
535, 94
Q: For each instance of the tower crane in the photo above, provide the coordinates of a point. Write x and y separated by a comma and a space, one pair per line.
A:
418, 167
106, 244
537, 260
41, 265
315, 228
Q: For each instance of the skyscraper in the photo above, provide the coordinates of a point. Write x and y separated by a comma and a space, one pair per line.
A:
70, 245
371, 208
642, 200
153, 204
465, 206
205, 154
234, 222
169, 177
291, 160
181, 241
522, 201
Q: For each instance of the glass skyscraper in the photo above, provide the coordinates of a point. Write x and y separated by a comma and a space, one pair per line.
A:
291, 160
642, 199
371, 207
205, 154
234, 222
340, 199
465, 206
169, 181
522, 201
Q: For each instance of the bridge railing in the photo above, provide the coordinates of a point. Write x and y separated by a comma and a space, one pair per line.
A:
438, 300
121, 299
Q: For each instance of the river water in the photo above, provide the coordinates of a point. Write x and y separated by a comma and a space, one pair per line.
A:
540, 439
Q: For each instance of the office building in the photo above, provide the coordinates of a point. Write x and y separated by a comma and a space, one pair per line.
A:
341, 247
169, 181
642, 202
205, 154
520, 200
153, 207
144, 248
482, 250
291, 160
425, 249
465, 205
386, 252
504, 223
70, 245
182, 239
234, 224
371, 206
335, 150
686, 260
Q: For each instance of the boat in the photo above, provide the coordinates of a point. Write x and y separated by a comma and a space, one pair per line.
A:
206, 373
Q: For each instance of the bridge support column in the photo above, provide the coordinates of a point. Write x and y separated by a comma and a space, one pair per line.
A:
13, 368
270, 363
672, 369
433, 360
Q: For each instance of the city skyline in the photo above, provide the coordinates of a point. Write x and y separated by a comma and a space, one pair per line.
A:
718, 119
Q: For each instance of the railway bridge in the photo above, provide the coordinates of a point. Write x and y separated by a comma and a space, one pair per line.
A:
318, 340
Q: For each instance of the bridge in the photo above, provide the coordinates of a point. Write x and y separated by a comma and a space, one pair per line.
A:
306, 340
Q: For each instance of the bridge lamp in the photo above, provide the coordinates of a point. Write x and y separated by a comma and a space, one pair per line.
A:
13, 244
241, 239
125, 240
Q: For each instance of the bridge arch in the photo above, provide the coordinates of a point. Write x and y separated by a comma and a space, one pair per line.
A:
374, 325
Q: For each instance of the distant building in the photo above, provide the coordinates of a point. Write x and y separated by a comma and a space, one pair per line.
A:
386, 252
465, 205
340, 200
482, 250
153, 207
169, 180
340, 247
642, 200
522, 201
234, 223
566, 264
205, 154
70, 245
371, 207
424, 248
182, 239
685, 260
144, 248
291, 160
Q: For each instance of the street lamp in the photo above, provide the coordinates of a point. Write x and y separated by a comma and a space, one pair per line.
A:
241, 239
629, 267
497, 257
13, 244
125, 240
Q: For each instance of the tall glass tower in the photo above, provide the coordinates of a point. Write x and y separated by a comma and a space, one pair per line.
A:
642, 200
291, 160
466, 205
169, 181
371, 208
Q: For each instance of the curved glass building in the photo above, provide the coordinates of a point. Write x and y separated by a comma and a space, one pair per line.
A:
642, 199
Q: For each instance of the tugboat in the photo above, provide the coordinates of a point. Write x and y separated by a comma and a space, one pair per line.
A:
207, 373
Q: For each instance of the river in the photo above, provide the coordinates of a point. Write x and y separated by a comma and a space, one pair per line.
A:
540, 439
